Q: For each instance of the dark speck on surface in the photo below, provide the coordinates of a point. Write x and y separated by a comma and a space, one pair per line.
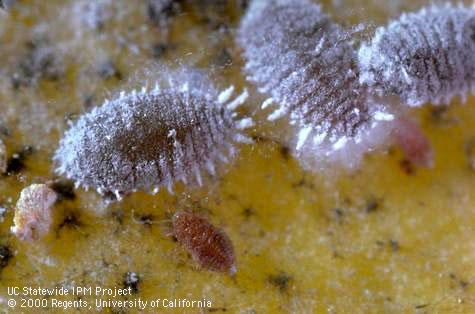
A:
303, 184
16, 163
248, 212
5, 256
280, 280
64, 189
145, 219
338, 213
159, 49
108, 70
242, 4
407, 167
285, 152
418, 307
372, 205
70, 220
394, 245
459, 283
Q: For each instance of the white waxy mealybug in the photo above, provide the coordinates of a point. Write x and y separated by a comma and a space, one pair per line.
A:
426, 56
33, 217
307, 65
148, 139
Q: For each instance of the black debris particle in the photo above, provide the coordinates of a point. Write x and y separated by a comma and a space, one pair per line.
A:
303, 184
242, 4
145, 219
281, 281
70, 220
248, 212
372, 205
407, 167
132, 281
459, 283
394, 245
463, 284
159, 50
16, 163
285, 152
338, 213
64, 189
109, 196
5, 255
109, 69
422, 306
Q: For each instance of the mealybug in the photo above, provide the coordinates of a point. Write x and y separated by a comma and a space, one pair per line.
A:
151, 138
33, 212
307, 64
207, 244
426, 56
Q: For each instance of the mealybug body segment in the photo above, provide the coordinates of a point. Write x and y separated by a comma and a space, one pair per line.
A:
307, 64
207, 244
151, 138
426, 56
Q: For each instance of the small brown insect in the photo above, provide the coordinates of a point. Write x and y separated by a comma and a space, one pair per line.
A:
207, 244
